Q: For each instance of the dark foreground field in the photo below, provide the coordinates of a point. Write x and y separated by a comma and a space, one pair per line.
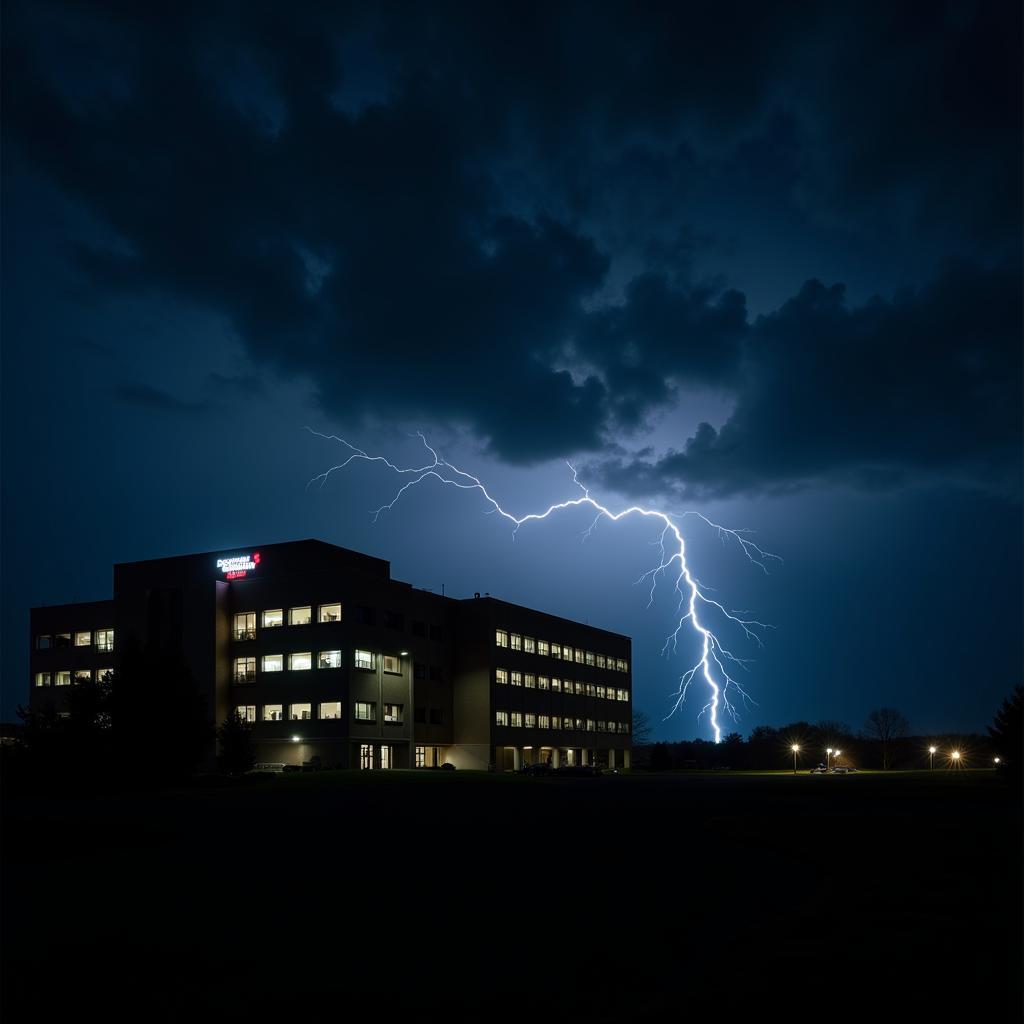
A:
381, 896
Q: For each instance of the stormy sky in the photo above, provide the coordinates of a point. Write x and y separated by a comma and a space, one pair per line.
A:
758, 260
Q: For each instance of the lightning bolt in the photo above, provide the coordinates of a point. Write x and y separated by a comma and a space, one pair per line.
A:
716, 661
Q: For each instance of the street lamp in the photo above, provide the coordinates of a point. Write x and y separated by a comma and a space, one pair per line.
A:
835, 757
996, 760
828, 755
955, 757
796, 750
931, 758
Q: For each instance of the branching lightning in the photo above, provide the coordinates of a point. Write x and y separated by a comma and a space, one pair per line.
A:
716, 662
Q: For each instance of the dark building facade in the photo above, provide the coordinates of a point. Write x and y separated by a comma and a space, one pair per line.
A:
327, 656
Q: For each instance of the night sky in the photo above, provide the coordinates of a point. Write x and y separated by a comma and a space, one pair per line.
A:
758, 260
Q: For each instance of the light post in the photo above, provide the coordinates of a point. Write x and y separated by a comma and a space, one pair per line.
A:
828, 759
835, 758
796, 750
955, 757
931, 758
996, 760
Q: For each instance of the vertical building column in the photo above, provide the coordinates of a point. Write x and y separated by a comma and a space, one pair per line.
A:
517, 758
626, 758
586, 756
611, 757
556, 758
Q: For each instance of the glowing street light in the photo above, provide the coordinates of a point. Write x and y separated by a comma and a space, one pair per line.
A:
828, 756
835, 758
931, 758
955, 757
996, 760
796, 750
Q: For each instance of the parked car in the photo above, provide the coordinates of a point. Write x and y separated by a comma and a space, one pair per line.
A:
844, 769
274, 767
820, 770
544, 768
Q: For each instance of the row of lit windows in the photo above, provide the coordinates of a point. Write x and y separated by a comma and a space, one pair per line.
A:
534, 682
518, 642
302, 661
78, 675
302, 615
528, 720
394, 714
101, 639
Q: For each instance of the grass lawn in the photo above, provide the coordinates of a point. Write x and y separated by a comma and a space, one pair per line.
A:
467, 896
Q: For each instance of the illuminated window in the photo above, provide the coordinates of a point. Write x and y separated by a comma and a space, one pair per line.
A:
393, 713
330, 613
365, 712
590, 725
62, 679
543, 722
364, 660
273, 662
581, 725
329, 659
300, 712
556, 722
600, 692
83, 675
501, 718
579, 656
83, 639
621, 666
531, 721
300, 616
591, 690
245, 626
43, 679
566, 653
543, 683
556, 685
516, 678
105, 640
103, 673
556, 650
529, 645
543, 647
581, 688
624, 727
245, 670
300, 661
600, 661
365, 755
273, 617
246, 712
330, 709
391, 664
421, 757
273, 712
517, 642
530, 681
590, 657
516, 719
501, 675
623, 695
385, 756
501, 638
43, 642
62, 640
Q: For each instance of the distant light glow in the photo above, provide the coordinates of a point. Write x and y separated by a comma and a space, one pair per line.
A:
693, 595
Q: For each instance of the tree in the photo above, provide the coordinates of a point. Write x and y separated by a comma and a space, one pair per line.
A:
887, 725
661, 757
237, 752
641, 728
1007, 731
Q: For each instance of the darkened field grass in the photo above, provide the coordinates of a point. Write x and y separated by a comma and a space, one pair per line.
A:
468, 896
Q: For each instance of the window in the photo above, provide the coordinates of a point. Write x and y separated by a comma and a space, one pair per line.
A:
330, 709
621, 665
516, 679
590, 725
393, 713
43, 642
62, 640
102, 673
543, 722
531, 721
581, 688
419, 672
501, 675
392, 665
501, 718
591, 690
63, 679
556, 722
246, 712
329, 659
501, 638
83, 639
590, 657
385, 756
330, 613
245, 670
421, 757
556, 650
43, 679
300, 616
105, 640
273, 713
394, 620
436, 716
580, 725
566, 653
516, 719
83, 675
516, 642
624, 727
556, 685
245, 626
543, 683
623, 694
273, 662
580, 655
600, 692
543, 647
365, 755
274, 617
367, 616
300, 661
530, 681
600, 661
529, 645
364, 659
300, 712
365, 712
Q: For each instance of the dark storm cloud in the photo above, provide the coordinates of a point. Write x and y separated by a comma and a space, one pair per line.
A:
428, 223
156, 399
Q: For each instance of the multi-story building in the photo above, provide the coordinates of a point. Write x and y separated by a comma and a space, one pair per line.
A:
327, 656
